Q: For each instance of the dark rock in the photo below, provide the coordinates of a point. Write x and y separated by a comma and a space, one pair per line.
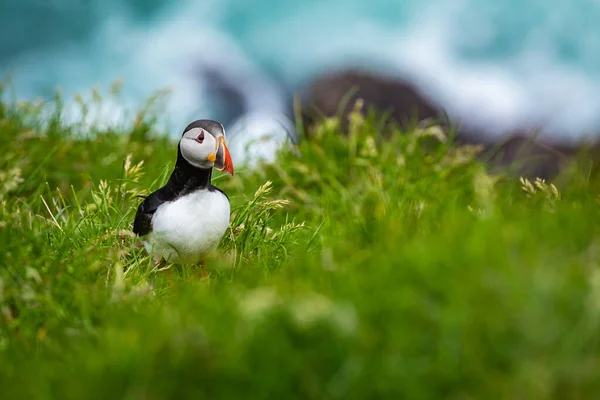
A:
516, 153
226, 97
521, 155
337, 92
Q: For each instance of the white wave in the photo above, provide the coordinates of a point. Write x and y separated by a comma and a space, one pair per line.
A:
531, 88
164, 56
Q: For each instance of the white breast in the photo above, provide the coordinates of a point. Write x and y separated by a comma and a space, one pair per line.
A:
185, 229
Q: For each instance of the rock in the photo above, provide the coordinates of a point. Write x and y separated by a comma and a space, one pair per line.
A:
226, 97
328, 93
520, 155
516, 153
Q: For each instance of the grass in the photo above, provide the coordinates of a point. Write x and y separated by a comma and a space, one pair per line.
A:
354, 267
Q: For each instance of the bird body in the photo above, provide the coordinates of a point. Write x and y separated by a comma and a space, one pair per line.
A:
185, 219
187, 228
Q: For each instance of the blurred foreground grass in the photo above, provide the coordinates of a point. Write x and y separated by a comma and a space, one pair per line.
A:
354, 268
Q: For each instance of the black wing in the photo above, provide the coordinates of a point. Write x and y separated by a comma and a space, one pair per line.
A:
142, 224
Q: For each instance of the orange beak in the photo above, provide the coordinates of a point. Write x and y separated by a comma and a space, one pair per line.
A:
223, 162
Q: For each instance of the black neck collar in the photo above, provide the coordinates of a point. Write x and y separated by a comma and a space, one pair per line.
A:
186, 178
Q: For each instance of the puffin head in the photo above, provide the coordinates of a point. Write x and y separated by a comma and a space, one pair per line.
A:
203, 145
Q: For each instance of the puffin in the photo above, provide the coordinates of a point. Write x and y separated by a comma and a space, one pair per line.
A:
186, 218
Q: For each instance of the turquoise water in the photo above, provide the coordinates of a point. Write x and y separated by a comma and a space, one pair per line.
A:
502, 64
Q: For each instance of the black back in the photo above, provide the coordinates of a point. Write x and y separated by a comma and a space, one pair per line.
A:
184, 179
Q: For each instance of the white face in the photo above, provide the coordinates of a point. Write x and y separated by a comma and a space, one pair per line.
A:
196, 145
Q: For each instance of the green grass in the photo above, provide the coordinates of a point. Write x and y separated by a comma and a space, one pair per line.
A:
355, 267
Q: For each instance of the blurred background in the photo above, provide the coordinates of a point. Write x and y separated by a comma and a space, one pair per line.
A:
495, 65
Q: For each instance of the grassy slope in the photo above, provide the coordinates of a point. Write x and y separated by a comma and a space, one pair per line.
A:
414, 275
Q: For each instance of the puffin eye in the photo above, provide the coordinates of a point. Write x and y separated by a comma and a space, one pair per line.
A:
200, 137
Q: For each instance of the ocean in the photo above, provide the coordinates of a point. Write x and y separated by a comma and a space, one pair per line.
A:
503, 64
